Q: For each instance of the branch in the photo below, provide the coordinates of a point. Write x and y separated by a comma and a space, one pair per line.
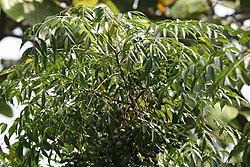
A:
7, 25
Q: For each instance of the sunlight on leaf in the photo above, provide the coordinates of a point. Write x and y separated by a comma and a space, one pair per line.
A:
85, 2
5, 109
13, 8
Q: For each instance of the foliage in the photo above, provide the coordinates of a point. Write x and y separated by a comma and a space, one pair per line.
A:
22, 13
106, 90
5, 109
32, 11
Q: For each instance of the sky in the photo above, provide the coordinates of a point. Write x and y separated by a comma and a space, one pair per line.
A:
10, 48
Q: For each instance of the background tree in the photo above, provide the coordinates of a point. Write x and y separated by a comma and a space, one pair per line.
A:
101, 89
16, 13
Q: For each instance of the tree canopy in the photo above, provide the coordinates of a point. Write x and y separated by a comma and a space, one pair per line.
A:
20, 14
119, 90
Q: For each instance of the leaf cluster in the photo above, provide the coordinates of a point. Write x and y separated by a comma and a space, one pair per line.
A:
108, 90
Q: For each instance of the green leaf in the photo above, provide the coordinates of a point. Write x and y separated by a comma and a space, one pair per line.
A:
161, 95
144, 128
13, 8
184, 75
6, 140
87, 43
170, 115
176, 87
3, 127
13, 128
246, 129
148, 67
243, 75
210, 71
42, 8
204, 145
81, 37
193, 69
45, 154
218, 62
229, 28
43, 99
46, 145
67, 44
244, 40
206, 41
112, 6
100, 106
19, 150
223, 40
183, 8
5, 109
85, 2
36, 63
203, 77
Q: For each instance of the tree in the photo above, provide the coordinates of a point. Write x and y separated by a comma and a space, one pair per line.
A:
108, 90
15, 14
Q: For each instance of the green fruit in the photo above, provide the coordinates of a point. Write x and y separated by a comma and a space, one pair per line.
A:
103, 139
152, 102
158, 107
115, 137
119, 110
118, 144
126, 148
